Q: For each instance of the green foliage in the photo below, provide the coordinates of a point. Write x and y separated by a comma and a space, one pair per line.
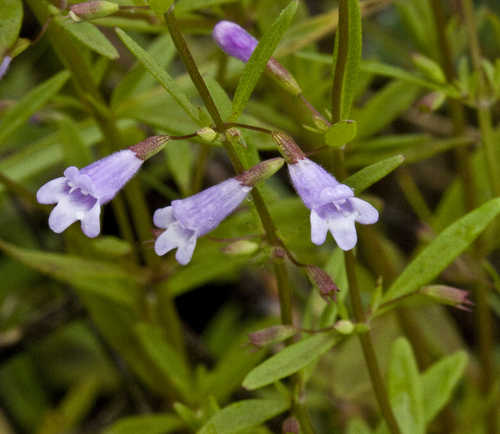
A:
11, 17
103, 335
290, 360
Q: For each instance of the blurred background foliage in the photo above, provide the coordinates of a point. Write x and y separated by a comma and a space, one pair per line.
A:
89, 338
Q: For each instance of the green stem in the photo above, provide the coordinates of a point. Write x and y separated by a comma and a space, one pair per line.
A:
194, 73
340, 66
350, 261
367, 346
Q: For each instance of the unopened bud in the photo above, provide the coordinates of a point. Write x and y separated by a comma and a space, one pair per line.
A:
320, 122
323, 282
271, 335
149, 147
448, 295
282, 77
291, 426
344, 327
431, 102
260, 172
241, 247
207, 134
92, 9
287, 147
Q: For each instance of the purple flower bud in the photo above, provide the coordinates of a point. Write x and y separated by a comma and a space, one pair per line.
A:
323, 281
188, 219
448, 295
79, 194
333, 205
271, 335
237, 42
4, 66
234, 40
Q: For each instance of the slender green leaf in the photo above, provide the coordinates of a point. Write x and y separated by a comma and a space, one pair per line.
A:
243, 415
166, 358
405, 390
440, 380
102, 278
18, 114
148, 424
160, 74
138, 79
358, 426
341, 133
353, 47
90, 36
11, 16
257, 62
450, 243
368, 176
288, 361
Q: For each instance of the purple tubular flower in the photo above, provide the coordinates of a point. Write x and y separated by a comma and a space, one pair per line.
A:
80, 193
234, 40
187, 219
333, 205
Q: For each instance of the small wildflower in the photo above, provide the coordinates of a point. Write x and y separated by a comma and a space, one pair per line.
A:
237, 42
188, 219
80, 193
448, 295
333, 205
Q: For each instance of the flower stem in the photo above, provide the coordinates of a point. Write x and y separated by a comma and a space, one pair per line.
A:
367, 346
350, 260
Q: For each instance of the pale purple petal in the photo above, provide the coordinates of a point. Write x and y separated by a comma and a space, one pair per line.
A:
52, 191
204, 211
4, 66
91, 225
332, 194
163, 217
343, 231
185, 251
234, 40
319, 229
62, 216
310, 179
175, 236
365, 213
111, 173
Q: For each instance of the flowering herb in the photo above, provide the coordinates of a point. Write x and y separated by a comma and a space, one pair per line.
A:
333, 205
188, 219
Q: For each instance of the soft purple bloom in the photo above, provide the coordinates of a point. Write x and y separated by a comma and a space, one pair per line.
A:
332, 204
80, 193
187, 219
4, 66
234, 40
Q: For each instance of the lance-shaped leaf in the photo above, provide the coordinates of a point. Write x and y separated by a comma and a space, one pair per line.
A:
450, 243
11, 16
